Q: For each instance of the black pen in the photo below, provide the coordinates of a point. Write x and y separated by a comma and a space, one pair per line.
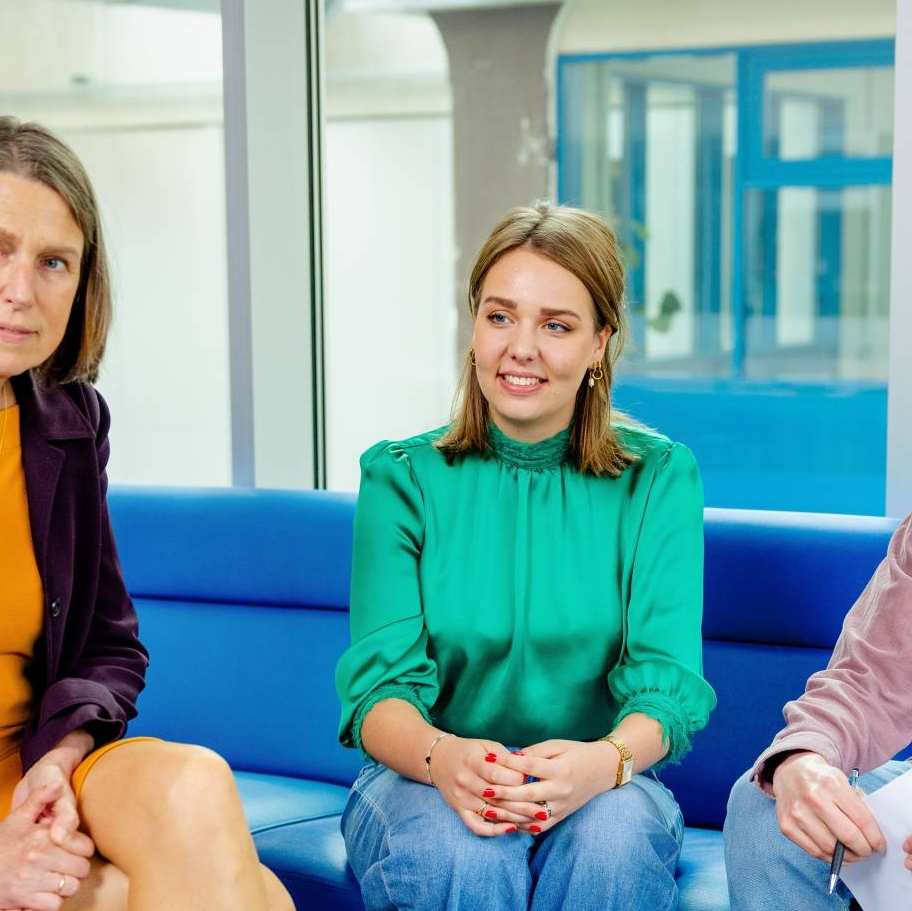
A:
839, 853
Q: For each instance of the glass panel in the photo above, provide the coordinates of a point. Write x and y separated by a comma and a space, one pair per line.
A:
816, 346
390, 319
657, 142
803, 361
813, 113
818, 298
136, 91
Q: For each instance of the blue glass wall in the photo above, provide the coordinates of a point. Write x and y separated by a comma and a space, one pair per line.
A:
750, 189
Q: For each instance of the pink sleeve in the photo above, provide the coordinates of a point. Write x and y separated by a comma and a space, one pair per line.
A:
858, 712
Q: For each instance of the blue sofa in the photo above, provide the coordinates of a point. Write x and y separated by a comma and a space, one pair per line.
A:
243, 595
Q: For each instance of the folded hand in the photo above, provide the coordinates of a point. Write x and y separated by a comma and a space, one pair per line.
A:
569, 772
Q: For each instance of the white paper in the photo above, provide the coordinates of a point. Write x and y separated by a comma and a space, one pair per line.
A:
881, 882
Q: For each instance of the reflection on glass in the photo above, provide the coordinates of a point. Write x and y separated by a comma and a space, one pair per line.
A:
818, 294
815, 113
650, 147
799, 355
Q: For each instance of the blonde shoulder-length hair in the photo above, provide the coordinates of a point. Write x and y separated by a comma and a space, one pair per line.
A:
585, 245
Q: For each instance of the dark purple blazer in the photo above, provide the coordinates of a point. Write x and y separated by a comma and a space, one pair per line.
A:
89, 665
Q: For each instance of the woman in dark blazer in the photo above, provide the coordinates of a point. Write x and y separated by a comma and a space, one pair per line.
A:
84, 814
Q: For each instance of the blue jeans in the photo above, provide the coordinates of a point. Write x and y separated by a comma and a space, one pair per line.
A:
409, 850
765, 869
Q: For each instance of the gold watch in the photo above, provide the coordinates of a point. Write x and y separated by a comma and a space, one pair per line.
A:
625, 766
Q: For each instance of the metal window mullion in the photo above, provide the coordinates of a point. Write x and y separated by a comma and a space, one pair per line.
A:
318, 373
237, 215
899, 401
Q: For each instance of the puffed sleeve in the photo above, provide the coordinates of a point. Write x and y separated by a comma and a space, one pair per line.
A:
661, 670
388, 656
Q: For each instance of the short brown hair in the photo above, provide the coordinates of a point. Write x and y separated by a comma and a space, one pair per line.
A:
583, 244
31, 151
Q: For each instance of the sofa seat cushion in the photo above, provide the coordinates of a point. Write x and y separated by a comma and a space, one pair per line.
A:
701, 872
278, 800
309, 857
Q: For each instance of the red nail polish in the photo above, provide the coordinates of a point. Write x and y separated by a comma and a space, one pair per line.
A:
490, 814
491, 757
534, 829
511, 830
542, 815
488, 792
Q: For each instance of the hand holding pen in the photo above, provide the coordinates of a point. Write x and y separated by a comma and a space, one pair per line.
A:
839, 852
816, 808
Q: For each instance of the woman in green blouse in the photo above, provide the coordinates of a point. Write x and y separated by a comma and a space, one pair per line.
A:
525, 611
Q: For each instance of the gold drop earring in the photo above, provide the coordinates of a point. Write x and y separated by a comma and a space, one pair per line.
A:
472, 357
596, 374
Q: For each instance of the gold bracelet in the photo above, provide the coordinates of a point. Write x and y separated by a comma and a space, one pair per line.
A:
625, 765
427, 759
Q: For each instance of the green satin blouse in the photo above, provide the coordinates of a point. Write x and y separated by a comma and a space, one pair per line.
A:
510, 596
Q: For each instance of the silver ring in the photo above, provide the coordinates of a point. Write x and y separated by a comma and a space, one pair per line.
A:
61, 885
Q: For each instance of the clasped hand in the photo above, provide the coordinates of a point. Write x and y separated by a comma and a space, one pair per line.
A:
43, 856
482, 775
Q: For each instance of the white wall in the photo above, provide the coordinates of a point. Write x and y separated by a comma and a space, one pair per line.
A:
390, 325
136, 92
614, 25
390, 321
166, 372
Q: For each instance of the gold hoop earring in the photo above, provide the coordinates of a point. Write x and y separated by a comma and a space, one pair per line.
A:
472, 357
596, 374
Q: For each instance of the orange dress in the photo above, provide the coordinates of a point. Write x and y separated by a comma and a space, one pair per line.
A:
21, 615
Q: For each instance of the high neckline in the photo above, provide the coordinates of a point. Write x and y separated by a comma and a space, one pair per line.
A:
539, 456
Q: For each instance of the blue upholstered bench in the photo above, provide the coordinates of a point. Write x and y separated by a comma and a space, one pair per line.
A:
243, 597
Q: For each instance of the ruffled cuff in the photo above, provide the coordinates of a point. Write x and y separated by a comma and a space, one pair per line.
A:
676, 729
678, 698
390, 691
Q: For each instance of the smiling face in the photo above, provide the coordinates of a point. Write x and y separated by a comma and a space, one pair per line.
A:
535, 336
40, 255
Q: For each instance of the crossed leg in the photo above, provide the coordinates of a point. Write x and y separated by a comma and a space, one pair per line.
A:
170, 831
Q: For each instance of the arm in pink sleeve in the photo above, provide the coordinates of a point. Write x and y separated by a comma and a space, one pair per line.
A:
858, 712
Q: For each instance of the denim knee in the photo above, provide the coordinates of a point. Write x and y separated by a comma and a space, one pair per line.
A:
751, 827
619, 850
765, 870
624, 823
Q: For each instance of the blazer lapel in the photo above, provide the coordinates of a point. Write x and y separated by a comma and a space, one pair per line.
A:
46, 416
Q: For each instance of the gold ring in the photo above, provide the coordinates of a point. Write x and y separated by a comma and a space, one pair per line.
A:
481, 809
547, 806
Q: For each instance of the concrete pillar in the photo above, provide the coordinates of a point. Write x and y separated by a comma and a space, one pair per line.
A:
501, 148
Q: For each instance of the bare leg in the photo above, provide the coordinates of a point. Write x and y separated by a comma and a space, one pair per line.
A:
168, 816
106, 889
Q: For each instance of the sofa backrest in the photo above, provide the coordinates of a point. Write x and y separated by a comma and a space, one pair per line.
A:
243, 604
777, 587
